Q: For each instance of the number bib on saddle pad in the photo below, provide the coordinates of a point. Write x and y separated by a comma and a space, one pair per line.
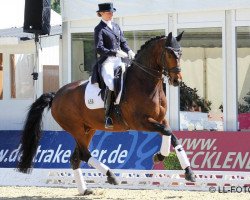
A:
93, 98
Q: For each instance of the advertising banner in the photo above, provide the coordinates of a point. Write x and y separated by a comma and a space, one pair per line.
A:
123, 150
244, 121
53, 151
217, 151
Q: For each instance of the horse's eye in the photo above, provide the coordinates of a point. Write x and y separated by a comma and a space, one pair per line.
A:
170, 54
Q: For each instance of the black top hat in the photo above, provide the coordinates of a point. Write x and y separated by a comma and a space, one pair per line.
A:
106, 7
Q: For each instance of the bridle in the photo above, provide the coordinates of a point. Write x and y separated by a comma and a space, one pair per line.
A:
177, 54
165, 69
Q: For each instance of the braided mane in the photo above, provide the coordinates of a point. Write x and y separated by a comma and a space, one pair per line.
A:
149, 41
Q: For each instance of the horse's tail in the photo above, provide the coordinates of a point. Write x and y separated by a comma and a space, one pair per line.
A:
32, 132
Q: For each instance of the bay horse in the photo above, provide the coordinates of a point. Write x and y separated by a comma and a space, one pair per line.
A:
143, 107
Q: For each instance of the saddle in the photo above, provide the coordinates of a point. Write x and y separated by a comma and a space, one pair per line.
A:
94, 96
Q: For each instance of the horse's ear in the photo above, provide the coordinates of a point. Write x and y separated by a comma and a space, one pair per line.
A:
169, 39
178, 38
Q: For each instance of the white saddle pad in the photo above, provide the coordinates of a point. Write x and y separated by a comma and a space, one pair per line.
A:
93, 98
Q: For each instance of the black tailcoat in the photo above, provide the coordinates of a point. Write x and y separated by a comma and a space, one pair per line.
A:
107, 42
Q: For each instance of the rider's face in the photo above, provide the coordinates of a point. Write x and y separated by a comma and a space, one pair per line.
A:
107, 16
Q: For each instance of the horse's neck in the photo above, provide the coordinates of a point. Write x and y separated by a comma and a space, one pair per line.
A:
144, 81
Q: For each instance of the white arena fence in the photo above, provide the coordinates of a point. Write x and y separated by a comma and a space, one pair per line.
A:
129, 179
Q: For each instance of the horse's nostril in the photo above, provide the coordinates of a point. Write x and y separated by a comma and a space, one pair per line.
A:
176, 82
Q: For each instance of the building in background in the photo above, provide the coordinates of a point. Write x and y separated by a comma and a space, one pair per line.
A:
18, 60
216, 47
215, 61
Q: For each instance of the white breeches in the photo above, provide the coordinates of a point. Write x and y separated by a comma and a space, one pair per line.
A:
108, 67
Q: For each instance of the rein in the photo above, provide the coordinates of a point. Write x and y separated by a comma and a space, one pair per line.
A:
146, 69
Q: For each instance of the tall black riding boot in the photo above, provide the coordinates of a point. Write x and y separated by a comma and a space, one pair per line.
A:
107, 105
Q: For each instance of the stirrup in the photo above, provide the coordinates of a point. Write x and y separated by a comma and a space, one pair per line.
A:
108, 123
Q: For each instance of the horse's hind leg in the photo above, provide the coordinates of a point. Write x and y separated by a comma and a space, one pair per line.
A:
86, 156
82, 153
75, 164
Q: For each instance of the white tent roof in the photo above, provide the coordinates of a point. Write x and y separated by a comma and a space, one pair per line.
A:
85, 9
12, 14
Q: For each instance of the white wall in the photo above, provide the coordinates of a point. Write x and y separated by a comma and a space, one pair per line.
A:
194, 77
13, 111
243, 73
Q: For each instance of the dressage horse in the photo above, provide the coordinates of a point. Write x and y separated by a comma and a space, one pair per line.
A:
143, 107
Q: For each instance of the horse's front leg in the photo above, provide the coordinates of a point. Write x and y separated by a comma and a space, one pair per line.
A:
169, 138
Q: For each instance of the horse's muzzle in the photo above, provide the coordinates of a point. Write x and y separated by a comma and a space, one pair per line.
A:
175, 79
176, 82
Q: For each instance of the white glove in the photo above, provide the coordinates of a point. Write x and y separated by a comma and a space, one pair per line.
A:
121, 54
131, 54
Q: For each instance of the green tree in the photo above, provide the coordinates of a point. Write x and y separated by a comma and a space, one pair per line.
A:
189, 99
171, 162
55, 5
245, 107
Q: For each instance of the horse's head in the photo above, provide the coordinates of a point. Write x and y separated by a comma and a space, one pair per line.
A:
161, 55
170, 59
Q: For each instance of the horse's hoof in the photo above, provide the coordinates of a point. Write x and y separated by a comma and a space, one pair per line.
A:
157, 158
111, 178
87, 192
189, 176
